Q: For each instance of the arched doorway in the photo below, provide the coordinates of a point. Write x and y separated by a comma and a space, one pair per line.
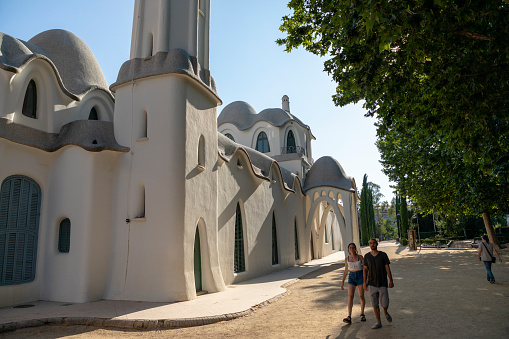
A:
197, 261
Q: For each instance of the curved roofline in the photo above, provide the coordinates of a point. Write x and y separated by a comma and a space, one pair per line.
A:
261, 175
80, 133
71, 95
243, 116
34, 55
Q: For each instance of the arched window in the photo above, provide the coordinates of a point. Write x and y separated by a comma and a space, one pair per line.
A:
20, 202
93, 114
64, 236
262, 143
275, 255
239, 260
229, 136
30, 102
297, 254
290, 143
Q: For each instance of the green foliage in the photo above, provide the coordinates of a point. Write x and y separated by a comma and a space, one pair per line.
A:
435, 75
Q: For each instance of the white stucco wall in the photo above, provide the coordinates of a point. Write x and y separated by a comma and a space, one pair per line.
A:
258, 199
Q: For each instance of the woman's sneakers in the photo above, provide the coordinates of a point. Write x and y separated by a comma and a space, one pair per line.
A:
348, 320
376, 326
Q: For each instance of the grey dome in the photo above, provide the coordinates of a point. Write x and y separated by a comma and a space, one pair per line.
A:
75, 65
237, 113
244, 116
327, 171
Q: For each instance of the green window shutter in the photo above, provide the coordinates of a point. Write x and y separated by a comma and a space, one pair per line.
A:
20, 201
262, 143
297, 254
275, 254
291, 147
64, 236
239, 259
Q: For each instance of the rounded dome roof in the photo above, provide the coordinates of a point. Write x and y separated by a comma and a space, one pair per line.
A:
327, 171
243, 115
72, 60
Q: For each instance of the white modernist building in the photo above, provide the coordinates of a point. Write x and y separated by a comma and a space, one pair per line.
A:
138, 190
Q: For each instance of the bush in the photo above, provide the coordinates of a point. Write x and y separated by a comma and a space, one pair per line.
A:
404, 241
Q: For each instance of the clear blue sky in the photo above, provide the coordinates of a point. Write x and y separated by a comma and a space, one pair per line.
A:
246, 64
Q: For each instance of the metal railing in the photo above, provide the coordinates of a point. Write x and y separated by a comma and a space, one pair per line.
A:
293, 149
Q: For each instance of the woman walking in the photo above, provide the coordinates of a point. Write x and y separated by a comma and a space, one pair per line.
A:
485, 254
354, 265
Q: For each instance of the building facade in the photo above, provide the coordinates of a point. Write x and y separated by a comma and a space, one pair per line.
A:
138, 190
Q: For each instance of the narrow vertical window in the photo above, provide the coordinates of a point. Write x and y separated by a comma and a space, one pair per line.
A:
140, 213
64, 236
332, 235
201, 33
20, 202
93, 114
30, 102
297, 254
144, 125
239, 261
326, 235
290, 143
275, 255
262, 143
201, 152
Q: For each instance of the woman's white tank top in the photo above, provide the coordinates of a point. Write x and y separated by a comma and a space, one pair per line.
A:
355, 265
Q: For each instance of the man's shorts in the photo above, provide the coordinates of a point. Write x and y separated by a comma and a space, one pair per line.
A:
355, 278
378, 293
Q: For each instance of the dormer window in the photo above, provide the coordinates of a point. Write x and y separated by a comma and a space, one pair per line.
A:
30, 102
93, 114
262, 143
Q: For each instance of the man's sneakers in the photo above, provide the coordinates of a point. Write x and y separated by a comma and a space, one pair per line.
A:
492, 281
376, 326
388, 316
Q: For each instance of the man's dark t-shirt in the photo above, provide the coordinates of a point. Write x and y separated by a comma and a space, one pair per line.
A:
377, 275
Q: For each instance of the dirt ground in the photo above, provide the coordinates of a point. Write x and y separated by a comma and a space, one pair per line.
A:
437, 294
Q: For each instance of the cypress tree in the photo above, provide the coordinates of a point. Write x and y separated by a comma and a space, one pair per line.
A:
364, 211
404, 218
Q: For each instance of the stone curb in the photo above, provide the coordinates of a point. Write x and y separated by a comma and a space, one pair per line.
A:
138, 324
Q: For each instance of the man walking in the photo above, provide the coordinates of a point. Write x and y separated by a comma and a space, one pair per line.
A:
376, 271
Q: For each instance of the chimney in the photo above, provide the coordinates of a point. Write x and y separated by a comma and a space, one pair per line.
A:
286, 103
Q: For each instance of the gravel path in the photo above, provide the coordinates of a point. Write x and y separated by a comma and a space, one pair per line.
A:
437, 293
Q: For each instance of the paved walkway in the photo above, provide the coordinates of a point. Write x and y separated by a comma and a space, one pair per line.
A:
238, 300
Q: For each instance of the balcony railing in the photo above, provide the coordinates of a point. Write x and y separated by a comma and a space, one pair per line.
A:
293, 149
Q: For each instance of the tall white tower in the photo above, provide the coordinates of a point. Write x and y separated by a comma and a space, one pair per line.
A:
165, 225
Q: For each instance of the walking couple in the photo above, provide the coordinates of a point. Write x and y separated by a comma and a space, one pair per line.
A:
368, 273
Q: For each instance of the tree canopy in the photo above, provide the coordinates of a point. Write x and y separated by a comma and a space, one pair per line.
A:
435, 74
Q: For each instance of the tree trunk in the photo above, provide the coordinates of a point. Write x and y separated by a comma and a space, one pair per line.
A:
489, 230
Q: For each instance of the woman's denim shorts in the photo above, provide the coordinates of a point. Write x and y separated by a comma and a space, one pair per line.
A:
355, 278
